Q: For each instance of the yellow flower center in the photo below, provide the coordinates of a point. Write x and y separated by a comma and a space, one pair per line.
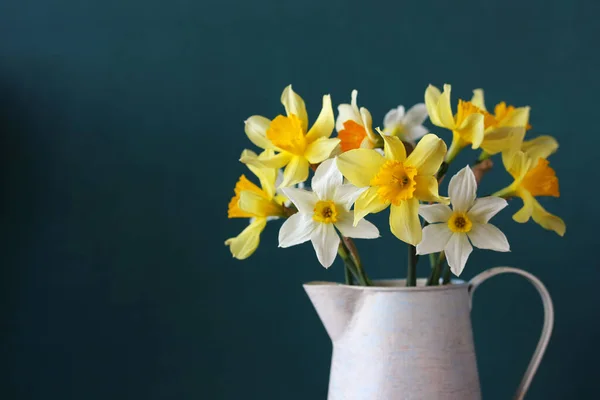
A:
234, 211
466, 108
395, 182
541, 180
351, 136
325, 212
287, 134
459, 222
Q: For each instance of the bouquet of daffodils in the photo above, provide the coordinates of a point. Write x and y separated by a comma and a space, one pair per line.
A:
365, 170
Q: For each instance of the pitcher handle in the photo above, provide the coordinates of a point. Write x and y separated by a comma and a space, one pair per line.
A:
546, 329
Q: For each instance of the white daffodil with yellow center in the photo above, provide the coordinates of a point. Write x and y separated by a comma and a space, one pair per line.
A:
354, 126
451, 229
297, 146
323, 210
408, 126
259, 204
396, 181
533, 177
472, 124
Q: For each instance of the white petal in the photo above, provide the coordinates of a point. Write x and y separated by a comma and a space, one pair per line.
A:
414, 133
457, 252
435, 212
487, 236
485, 208
462, 190
363, 230
325, 240
393, 117
327, 178
296, 229
435, 239
416, 115
303, 199
346, 195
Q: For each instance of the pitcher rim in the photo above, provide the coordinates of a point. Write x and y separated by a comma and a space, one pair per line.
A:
455, 284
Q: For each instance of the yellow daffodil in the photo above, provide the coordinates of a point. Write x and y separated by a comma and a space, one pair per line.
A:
396, 180
297, 146
533, 177
257, 203
472, 124
354, 126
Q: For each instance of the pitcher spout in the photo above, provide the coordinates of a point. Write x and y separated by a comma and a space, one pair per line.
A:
335, 304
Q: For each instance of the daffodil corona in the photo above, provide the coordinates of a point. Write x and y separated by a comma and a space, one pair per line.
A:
354, 126
396, 181
288, 135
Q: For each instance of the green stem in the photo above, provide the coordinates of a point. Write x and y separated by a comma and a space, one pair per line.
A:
343, 253
351, 247
348, 275
483, 156
411, 276
447, 275
436, 272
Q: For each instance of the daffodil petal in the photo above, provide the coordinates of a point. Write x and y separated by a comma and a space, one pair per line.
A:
363, 230
518, 117
367, 123
404, 221
275, 161
433, 213
325, 242
243, 245
368, 203
427, 155
488, 237
472, 130
540, 147
393, 117
294, 104
501, 139
256, 204
393, 148
346, 113
323, 126
296, 229
462, 190
478, 99
435, 239
359, 166
320, 149
295, 172
326, 180
516, 163
303, 199
415, 115
485, 208
525, 212
414, 133
346, 195
427, 189
267, 177
547, 220
432, 97
457, 252
256, 129
445, 109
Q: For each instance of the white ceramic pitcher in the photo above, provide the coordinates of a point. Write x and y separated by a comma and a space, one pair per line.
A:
392, 342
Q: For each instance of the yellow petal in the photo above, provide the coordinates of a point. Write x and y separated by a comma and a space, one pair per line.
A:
323, 126
438, 106
432, 97
517, 164
243, 245
478, 99
427, 155
259, 205
444, 108
472, 129
295, 172
320, 150
368, 203
404, 221
294, 105
427, 189
517, 117
393, 147
367, 122
269, 160
359, 166
540, 147
547, 220
256, 130
501, 139
267, 177
525, 212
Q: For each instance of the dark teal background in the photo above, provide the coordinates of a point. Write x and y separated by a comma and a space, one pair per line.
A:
121, 125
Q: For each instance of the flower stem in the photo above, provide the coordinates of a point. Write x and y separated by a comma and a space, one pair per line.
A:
411, 276
348, 275
436, 272
343, 253
447, 275
349, 243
